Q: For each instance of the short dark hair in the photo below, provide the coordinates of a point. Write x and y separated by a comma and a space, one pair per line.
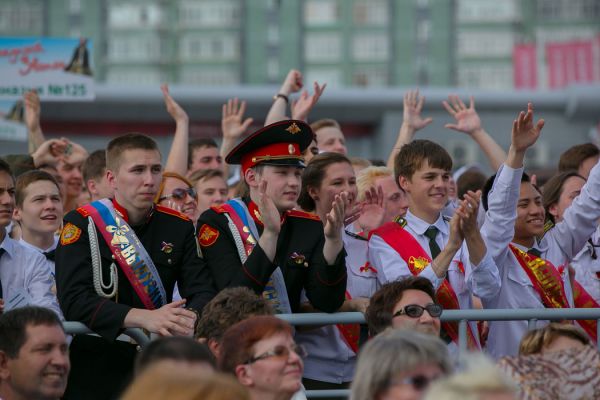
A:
227, 308
489, 184
379, 311
198, 144
129, 141
13, 326
574, 156
178, 348
313, 176
5, 167
470, 180
26, 179
94, 166
412, 156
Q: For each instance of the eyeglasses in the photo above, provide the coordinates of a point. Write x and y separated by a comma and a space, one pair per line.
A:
415, 310
180, 193
418, 382
280, 352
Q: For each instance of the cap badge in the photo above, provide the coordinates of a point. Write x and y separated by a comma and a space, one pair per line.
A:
293, 128
291, 149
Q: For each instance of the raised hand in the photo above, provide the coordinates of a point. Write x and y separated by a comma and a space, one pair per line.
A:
74, 153
468, 222
271, 218
524, 132
372, 210
292, 82
467, 119
334, 220
305, 103
50, 152
413, 104
32, 110
173, 108
171, 320
233, 124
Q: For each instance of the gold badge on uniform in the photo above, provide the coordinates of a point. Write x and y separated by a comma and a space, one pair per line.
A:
166, 248
299, 259
70, 234
207, 235
293, 128
419, 263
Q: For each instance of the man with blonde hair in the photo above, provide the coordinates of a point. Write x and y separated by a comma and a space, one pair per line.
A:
396, 202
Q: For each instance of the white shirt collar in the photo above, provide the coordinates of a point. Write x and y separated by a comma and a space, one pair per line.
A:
420, 226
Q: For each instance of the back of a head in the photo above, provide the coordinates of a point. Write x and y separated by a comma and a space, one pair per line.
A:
121, 144
536, 340
94, 166
413, 155
480, 380
13, 326
229, 307
573, 157
176, 348
383, 301
392, 353
473, 180
160, 382
237, 343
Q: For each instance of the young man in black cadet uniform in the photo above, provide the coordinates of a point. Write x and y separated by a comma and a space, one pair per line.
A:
116, 265
261, 242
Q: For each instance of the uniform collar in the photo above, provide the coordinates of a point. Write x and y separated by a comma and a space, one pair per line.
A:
420, 226
122, 212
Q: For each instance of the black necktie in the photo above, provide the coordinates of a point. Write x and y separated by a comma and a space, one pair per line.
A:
50, 255
431, 233
2, 251
534, 252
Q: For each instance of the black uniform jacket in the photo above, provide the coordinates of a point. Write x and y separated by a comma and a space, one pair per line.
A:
299, 255
169, 239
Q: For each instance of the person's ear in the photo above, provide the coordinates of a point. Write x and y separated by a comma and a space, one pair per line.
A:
313, 192
404, 183
251, 177
243, 376
111, 179
17, 214
4, 370
214, 346
553, 210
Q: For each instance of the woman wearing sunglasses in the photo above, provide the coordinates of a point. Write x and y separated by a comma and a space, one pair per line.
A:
178, 193
399, 365
261, 353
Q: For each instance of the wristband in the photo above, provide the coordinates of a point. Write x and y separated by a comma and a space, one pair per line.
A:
282, 96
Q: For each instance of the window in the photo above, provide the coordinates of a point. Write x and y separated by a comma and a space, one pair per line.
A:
323, 47
214, 13
486, 76
488, 11
485, 44
373, 12
223, 47
26, 17
140, 15
568, 10
321, 12
371, 47
370, 77
209, 77
134, 48
137, 76
333, 77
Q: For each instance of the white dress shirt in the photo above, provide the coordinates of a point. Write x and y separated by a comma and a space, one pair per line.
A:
587, 266
559, 245
23, 270
49, 263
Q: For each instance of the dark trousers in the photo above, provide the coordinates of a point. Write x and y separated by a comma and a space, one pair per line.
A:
311, 384
100, 370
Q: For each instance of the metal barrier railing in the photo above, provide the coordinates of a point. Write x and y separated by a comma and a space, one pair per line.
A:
77, 328
532, 315
462, 316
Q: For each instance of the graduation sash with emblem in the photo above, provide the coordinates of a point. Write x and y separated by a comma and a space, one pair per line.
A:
129, 253
548, 283
275, 290
417, 259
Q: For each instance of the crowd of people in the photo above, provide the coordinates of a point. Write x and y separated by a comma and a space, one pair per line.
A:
201, 251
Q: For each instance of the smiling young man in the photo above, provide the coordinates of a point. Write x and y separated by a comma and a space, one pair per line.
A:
533, 265
39, 212
261, 242
34, 355
25, 277
116, 265
450, 253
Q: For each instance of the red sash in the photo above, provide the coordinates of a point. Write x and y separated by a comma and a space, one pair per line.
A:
350, 332
546, 279
417, 259
582, 299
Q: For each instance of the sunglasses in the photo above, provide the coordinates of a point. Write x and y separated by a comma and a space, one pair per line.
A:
180, 193
418, 382
415, 310
280, 352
